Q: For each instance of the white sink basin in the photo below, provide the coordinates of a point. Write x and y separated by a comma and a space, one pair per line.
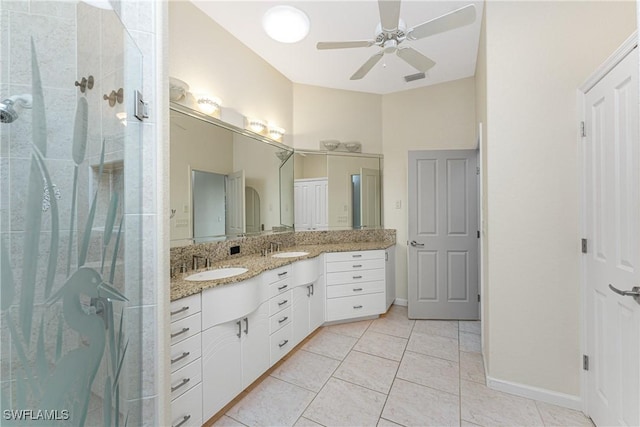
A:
218, 273
289, 254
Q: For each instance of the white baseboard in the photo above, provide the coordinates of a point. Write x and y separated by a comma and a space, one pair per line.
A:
401, 301
541, 394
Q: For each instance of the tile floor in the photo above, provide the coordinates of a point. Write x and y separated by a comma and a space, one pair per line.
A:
391, 371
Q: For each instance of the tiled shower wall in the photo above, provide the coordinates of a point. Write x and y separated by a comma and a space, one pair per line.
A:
53, 24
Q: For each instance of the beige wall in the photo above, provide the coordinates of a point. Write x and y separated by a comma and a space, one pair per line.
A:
212, 61
537, 54
431, 118
323, 113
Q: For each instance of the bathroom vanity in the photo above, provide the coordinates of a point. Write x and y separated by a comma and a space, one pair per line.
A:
227, 332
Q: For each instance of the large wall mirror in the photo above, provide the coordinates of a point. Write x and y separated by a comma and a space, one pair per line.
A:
337, 191
225, 181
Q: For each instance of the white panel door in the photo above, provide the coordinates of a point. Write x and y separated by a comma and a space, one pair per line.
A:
302, 208
320, 210
612, 219
443, 227
235, 208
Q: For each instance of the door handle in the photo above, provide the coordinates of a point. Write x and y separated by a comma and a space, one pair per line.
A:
416, 244
634, 292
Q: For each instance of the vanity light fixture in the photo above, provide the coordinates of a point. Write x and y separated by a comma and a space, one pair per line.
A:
276, 132
258, 126
208, 104
286, 24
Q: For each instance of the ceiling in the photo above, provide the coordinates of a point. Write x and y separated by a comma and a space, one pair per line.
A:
454, 51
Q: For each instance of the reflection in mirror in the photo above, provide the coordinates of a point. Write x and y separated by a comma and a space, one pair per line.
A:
258, 193
337, 191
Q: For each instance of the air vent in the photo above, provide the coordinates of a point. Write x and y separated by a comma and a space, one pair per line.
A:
414, 77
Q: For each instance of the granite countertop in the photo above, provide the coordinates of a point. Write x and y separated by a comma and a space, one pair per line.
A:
257, 264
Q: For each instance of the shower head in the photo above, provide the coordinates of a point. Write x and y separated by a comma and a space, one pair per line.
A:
10, 108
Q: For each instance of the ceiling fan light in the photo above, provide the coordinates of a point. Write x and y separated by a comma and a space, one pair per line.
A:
286, 24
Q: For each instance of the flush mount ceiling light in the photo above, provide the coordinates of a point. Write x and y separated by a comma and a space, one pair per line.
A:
286, 24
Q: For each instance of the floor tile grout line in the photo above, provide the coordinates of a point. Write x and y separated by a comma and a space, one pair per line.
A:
435, 357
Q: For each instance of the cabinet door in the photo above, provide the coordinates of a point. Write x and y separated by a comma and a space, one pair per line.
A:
320, 220
300, 313
390, 276
317, 304
302, 210
221, 367
255, 344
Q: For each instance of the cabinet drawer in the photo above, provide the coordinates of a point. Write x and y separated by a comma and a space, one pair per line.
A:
186, 410
185, 378
348, 277
279, 303
276, 322
350, 256
355, 306
348, 290
273, 276
280, 286
355, 265
281, 343
185, 352
185, 328
185, 307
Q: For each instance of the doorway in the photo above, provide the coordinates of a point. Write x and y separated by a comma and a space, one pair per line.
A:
443, 235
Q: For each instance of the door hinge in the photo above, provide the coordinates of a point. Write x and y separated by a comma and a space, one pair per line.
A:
478, 297
583, 243
477, 170
478, 234
140, 107
585, 362
583, 131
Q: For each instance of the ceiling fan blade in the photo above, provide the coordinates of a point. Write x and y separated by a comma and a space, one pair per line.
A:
389, 14
458, 18
344, 45
415, 59
367, 66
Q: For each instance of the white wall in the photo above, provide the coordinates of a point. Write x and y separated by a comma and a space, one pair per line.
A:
212, 61
432, 118
322, 113
537, 54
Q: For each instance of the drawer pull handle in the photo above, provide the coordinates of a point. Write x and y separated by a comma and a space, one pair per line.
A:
184, 420
182, 384
357, 306
239, 334
357, 256
173, 313
179, 333
357, 265
282, 287
246, 329
357, 277
283, 343
357, 289
177, 359
284, 273
283, 302
283, 319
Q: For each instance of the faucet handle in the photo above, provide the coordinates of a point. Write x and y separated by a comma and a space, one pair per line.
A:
207, 262
183, 267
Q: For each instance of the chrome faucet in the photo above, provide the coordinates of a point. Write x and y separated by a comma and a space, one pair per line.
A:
195, 261
274, 247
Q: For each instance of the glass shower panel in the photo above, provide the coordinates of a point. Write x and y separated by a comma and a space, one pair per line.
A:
70, 229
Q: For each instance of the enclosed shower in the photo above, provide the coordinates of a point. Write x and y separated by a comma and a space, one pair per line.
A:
71, 290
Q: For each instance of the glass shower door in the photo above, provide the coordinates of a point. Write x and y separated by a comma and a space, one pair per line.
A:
70, 236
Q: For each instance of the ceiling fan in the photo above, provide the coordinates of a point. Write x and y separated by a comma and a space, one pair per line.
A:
392, 32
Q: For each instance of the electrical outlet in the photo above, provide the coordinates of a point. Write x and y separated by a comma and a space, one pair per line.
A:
398, 204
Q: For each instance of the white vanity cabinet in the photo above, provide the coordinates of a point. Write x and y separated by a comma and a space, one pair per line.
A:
235, 352
186, 366
355, 284
308, 298
390, 275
